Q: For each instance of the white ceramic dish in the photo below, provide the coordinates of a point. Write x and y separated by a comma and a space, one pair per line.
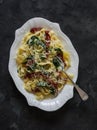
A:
67, 92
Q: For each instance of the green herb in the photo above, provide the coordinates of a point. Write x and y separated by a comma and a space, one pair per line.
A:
28, 70
59, 51
30, 57
46, 73
42, 57
44, 84
32, 40
35, 40
32, 67
56, 62
52, 91
41, 43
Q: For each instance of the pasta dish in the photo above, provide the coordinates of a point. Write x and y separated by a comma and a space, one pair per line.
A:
38, 65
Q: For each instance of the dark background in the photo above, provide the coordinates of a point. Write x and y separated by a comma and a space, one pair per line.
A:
78, 19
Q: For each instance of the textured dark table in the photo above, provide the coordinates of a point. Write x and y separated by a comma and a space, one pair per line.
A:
78, 19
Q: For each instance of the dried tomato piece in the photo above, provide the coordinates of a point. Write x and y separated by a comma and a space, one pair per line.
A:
33, 30
36, 90
28, 75
47, 38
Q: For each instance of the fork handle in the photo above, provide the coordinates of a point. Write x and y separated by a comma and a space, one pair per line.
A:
84, 96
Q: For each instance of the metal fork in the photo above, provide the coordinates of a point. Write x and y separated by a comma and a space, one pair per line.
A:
84, 96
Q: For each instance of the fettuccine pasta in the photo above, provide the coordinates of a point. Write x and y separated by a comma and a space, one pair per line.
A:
37, 63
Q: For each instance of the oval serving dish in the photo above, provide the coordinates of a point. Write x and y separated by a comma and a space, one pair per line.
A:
67, 92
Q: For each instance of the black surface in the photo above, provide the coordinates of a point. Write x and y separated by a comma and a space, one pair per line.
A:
78, 19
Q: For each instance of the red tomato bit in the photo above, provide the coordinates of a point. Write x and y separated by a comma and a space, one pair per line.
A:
33, 30
47, 38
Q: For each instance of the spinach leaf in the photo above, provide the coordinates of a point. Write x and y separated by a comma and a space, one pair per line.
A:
44, 84
30, 57
56, 62
35, 40
59, 51
32, 40
41, 43
32, 67
52, 91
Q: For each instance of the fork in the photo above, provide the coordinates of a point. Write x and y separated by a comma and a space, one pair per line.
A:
84, 96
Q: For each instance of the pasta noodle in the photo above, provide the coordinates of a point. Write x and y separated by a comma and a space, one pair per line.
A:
37, 63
